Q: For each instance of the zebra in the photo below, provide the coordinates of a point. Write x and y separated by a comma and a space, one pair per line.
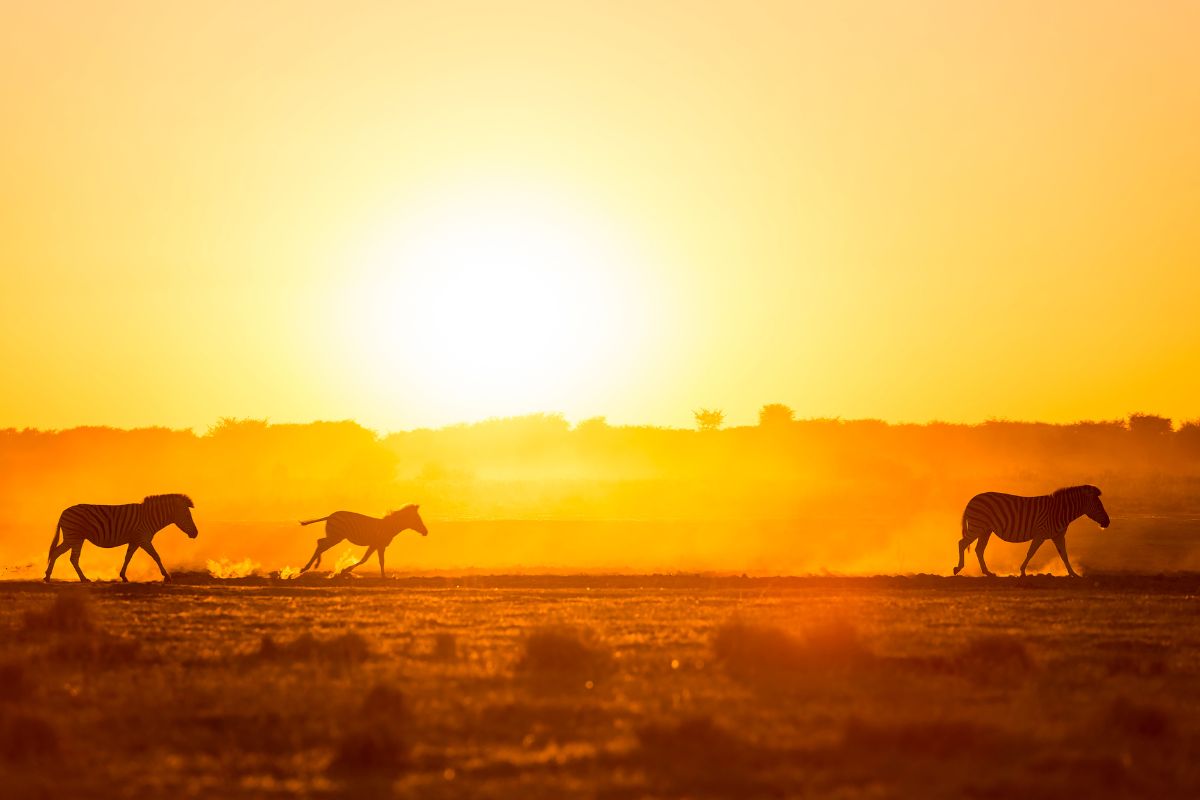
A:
133, 525
1028, 519
373, 533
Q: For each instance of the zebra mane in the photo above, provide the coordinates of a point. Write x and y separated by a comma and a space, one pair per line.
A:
1070, 490
409, 507
169, 498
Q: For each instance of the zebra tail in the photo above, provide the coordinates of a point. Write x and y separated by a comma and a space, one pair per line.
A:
311, 521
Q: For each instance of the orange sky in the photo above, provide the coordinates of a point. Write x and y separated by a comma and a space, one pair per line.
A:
415, 214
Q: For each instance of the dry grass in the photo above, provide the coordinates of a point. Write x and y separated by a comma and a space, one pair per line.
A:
707, 688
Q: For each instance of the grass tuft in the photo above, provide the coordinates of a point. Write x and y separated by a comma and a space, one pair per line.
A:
566, 652
376, 743
15, 684
926, 738
26, 737
695, 756
445, 647
345, 649
746, 648
97, 649
999, 653
69, 613
1140, 720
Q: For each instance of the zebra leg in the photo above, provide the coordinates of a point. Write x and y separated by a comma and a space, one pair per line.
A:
149, 548
1060, 543
963, 544
979, 548
381, 561
1033, 547
366, 555
55, 552
75, 550
322, 546
129, 551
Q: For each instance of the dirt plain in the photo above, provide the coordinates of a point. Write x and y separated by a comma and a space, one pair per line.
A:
602, 686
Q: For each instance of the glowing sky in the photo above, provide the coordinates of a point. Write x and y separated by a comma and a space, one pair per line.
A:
413, 214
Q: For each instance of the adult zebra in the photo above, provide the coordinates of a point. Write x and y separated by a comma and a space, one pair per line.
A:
370, 532
1027, 519
133, 524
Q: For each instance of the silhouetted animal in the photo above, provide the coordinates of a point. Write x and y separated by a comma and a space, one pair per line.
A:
373, 533
133, 525
1027, 519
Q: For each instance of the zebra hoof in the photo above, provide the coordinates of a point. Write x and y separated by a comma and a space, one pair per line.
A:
957, 570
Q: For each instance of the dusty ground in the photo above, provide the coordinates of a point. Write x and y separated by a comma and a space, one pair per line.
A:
603, 687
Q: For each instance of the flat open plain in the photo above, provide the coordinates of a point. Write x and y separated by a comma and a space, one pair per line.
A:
602, 686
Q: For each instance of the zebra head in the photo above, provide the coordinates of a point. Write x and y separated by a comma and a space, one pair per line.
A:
408, 517
1093, 507
175, 508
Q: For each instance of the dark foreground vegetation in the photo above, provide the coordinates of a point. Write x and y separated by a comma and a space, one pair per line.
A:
617, 687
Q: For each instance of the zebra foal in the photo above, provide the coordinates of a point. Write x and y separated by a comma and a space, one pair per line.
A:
1014, 518
133, 525
371, 532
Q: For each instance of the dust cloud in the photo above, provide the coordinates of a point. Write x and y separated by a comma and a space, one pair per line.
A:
536, 494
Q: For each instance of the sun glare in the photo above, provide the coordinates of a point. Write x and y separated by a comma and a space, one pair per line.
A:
494, 303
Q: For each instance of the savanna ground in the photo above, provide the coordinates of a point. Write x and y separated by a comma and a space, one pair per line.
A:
658, 686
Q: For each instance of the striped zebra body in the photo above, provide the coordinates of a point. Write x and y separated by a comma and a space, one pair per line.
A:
374, 533
1014, 518
132, 525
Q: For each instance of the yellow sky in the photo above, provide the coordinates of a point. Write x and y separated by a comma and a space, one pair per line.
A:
415, 214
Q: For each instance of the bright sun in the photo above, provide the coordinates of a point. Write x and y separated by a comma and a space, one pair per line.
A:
492, 303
